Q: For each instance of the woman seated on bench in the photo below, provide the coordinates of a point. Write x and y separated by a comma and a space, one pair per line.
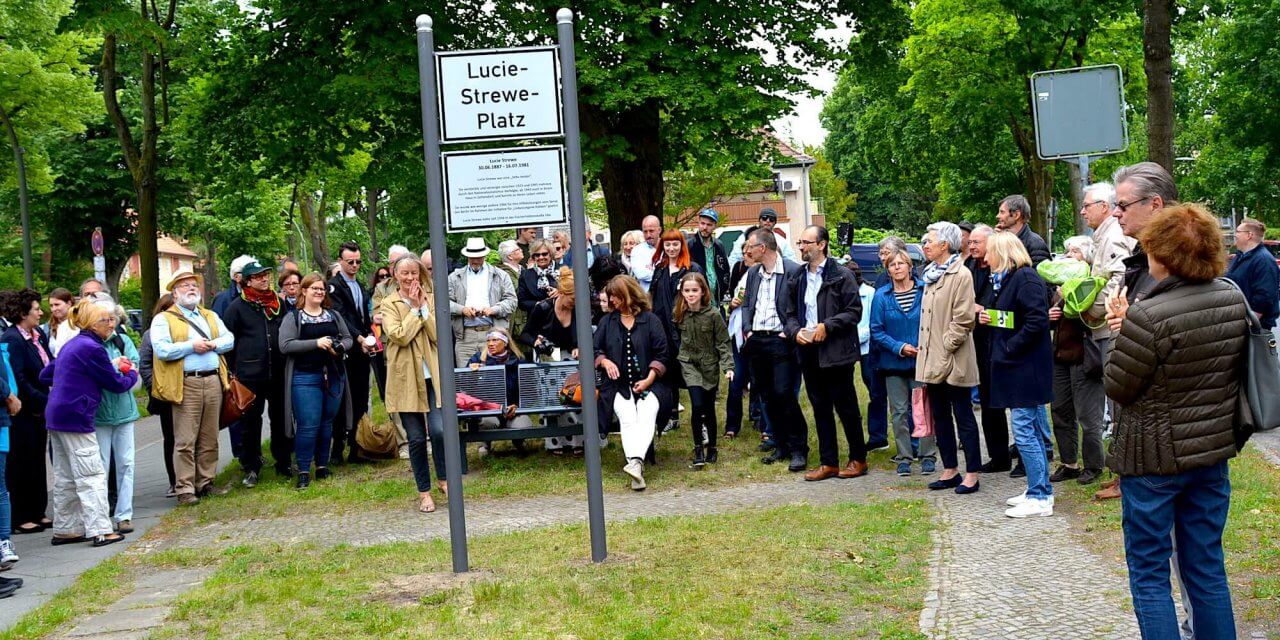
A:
499, 351
553, 332
631, 349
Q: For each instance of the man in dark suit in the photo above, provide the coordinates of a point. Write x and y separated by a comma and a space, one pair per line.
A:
351, 301
709, 254
774, 366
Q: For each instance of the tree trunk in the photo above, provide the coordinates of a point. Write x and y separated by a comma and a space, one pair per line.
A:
212, 284
1038, 176
115, 268
20, 164
1157, 62
314, 223
1077, 198
141, 159
371, 219
632, 184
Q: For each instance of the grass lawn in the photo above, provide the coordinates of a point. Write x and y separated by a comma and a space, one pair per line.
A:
795, 572
502, 474
1251, 539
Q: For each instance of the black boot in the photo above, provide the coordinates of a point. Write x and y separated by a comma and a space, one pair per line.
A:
699, 460
712, 455
304, 479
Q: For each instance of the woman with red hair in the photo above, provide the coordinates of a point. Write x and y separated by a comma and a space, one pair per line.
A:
670, 264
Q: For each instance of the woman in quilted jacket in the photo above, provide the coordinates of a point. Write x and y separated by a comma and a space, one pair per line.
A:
1175, 372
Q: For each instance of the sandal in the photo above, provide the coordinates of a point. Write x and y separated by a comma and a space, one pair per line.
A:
110, 538
34, 528
444, 488
58, 541
426, 504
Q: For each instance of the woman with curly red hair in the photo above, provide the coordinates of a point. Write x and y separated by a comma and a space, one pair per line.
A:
1175, 372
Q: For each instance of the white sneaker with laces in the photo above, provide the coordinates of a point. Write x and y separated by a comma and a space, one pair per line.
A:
7, 555
1030, 507
1022, 497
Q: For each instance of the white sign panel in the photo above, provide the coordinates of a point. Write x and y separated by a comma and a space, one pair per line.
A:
499, 94
498, 188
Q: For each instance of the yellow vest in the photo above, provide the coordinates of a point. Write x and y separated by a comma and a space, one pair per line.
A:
167, 375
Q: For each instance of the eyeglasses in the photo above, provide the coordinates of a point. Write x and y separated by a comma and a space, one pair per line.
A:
541, 254
1086, 205
106, 321
752, 246
354, 262
319, 289
1240, 231
1124, 206
290, 285
805, 243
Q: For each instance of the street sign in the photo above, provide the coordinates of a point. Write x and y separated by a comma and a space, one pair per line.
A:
496, 188
1079, 112
96, 241
499, 94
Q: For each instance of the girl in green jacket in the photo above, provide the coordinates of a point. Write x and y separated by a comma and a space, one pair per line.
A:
704, 356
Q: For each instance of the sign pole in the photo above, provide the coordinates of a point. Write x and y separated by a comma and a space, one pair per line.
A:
582, 291
440, 284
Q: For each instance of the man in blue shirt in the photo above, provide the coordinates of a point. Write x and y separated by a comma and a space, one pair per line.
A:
1255, 271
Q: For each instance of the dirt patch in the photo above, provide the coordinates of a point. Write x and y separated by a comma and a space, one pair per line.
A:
424, 588
614, 558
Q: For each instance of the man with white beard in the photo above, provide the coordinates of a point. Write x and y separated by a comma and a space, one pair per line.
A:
189, 374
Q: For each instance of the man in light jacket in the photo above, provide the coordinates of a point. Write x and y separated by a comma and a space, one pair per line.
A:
481, 298
1110, 249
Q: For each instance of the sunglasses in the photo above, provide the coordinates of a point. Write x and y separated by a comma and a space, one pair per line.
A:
354, 262
541, 254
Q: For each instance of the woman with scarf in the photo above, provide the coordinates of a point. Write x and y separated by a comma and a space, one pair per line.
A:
538, 280
28, 441
256, 361
946, 360
1021, 363
314, 338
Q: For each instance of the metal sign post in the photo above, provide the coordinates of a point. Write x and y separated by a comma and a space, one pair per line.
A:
582, 290
502, 94
440, 285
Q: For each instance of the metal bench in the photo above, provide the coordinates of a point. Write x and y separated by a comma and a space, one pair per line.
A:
539, 388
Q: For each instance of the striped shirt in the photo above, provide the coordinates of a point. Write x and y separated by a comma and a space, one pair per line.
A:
766, 311
906, 298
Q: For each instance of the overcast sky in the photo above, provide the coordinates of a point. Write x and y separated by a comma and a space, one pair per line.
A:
802, 125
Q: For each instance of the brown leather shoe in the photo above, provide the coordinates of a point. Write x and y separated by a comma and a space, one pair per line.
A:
822, 473
1114, 482
1109, 493
854, 469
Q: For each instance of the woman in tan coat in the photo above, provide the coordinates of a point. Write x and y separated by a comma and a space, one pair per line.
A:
947, 361
413, 371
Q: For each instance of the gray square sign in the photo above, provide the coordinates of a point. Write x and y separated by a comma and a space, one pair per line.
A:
1079, 112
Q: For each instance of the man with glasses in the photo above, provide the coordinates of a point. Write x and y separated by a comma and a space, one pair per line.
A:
1254, 270
351, 301
771, 349
188, 373
1111, 247
1013, 215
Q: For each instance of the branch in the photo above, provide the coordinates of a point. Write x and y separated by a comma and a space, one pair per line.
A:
168, 16
108, 71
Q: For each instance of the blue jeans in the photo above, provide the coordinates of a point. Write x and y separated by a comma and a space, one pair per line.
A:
5, 524
1193, 505
1030, 430
314, 408
877, 406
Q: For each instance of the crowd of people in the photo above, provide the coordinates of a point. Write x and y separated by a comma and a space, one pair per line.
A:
959, 351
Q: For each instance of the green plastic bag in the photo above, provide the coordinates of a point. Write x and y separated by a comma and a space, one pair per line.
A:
1060, 270
1079, 294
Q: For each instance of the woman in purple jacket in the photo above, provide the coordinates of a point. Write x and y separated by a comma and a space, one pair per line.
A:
78, 377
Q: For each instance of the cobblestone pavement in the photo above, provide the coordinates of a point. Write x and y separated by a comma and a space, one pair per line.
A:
996, 577
143, 610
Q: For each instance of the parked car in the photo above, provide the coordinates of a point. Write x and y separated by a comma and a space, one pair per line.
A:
135, 319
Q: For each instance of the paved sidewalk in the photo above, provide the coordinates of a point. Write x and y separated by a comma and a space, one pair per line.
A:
46, 569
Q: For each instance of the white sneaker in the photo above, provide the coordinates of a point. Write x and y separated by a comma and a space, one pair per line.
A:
635, 469
1022, 497
482, 450
1030, 508
404, 452
7, 555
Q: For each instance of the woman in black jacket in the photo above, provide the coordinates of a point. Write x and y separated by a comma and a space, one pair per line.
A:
1175, 371
673, 262
538, 280
1021, 363
631, 349
28, 355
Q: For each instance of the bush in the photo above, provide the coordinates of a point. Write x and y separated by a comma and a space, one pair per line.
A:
130, 294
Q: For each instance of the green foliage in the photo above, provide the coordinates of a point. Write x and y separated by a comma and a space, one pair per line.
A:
129, 294
45, 86
704, 183
832, 190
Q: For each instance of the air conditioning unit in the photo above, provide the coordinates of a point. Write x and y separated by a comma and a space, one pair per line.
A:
789, 185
